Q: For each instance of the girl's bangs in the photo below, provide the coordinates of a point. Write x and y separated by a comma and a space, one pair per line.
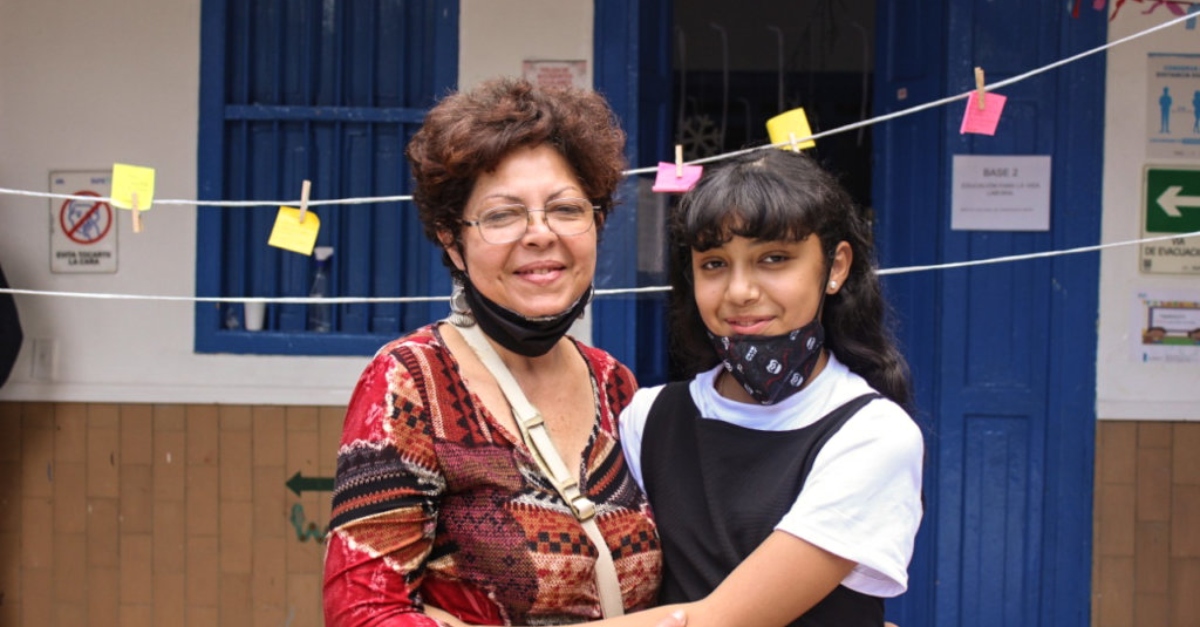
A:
756, 207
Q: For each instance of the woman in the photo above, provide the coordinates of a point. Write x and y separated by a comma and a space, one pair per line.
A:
437, 499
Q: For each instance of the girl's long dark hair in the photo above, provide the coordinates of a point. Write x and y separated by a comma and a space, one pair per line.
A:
783, 195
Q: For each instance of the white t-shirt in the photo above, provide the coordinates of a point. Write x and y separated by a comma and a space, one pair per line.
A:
862, 498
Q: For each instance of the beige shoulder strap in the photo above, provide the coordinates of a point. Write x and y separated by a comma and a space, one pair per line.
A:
537, 438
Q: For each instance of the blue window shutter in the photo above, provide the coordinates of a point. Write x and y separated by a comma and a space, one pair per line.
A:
328, 92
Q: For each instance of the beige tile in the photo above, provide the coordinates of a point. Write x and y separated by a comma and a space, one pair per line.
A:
169, 605
269, 424
170, 465
304, 557
170, 538
103, 446
203, 572
270, 503
137, 434
203, 616
1154, 484
103, 533
1154, 434
137, 577
1151, 609
10, 431
37, 597
329, 438
38, 416
236, 538
236, 478
71, 613
236, 607
202, 500
137, 504
170, 418
1116, 592
10, 495
1185, 601
1117, 444
303, 453
235, 418
1152, 563
10, 576
270, 615
304, 595
1185, 521
1186, 468
269, 579
103, 597
302, 419
1116, 510
136, 615
37, 534
70, 497
37, 462
203, 430
104, 416
69, 587
70, 433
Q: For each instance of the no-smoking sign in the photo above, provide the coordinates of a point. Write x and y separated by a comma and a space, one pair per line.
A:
83, 237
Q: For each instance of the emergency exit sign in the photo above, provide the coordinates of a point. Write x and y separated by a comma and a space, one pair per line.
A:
1172, 200
1171, 204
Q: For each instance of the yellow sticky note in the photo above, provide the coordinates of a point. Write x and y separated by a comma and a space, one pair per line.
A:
788, 126
290, 234
128, 180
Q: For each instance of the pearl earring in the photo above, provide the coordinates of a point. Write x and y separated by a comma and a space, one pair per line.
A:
833, 285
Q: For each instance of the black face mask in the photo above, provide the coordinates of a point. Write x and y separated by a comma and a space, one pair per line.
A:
531, 337
772, 367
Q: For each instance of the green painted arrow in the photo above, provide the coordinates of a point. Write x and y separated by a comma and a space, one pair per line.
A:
299, 483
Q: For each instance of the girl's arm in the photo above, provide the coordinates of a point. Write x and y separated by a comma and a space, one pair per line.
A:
781, 580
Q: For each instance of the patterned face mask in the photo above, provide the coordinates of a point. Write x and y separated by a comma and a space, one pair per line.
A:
772, 367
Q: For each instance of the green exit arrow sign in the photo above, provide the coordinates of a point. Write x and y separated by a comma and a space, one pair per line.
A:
1172, 200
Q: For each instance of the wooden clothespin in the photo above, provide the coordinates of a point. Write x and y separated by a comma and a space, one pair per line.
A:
304, 189
678, 161
795, 146
980, 93
137, 213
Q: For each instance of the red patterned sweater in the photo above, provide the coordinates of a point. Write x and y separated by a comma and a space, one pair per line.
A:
434, 502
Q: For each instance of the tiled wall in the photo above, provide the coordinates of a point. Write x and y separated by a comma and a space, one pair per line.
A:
140, 515
1146, 555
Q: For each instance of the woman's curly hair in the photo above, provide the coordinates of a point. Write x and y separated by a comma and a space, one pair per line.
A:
470, 132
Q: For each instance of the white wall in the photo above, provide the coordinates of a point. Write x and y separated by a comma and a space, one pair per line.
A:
86, 83
1126, 388
496, 36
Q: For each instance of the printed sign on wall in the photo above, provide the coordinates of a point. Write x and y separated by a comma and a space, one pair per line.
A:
83, 233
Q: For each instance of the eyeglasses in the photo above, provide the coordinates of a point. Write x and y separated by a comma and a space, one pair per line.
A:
508, 223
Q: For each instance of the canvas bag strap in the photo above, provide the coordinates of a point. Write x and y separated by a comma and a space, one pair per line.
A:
537, 438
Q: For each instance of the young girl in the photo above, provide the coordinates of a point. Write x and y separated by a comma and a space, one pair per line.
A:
785, 477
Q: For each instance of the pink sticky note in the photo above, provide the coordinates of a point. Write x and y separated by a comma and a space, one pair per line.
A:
666, 181
982, 121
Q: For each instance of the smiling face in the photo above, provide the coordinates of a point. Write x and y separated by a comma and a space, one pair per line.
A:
756, 287
541, 274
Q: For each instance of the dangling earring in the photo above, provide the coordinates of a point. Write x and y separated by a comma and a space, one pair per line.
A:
460, 311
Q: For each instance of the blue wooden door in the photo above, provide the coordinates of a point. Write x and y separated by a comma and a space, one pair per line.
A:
1003, 355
